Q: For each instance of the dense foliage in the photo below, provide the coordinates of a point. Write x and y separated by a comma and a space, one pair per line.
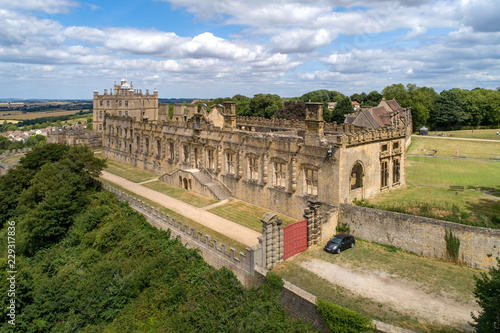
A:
33, 141
342, 320
487, 292
86, 262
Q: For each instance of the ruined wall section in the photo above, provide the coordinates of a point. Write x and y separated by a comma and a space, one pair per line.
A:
479, 247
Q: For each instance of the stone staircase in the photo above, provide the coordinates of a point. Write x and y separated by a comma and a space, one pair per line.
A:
217, 188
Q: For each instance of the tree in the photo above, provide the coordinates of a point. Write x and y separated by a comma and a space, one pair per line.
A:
295, 111
487, 292
373, 98
90, 124
398, 92
449, 112
265, 105
343, 107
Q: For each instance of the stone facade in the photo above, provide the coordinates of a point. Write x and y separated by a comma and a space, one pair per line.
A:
276, 164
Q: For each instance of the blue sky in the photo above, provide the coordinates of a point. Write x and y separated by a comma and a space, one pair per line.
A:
219, 48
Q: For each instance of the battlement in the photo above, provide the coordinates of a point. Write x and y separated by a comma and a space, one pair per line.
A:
382, 133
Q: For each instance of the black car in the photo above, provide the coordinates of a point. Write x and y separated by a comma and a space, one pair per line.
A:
339, 243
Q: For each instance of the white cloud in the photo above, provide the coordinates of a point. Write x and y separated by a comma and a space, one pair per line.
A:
47, 6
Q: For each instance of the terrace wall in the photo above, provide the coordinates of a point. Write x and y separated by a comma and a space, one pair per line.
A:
478, 246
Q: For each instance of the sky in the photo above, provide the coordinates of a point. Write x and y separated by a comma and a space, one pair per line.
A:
66, 49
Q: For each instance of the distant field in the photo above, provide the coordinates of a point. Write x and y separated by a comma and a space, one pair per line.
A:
488, 134
18, 115
448, 147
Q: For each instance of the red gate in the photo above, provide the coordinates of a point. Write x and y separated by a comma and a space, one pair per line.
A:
294, 239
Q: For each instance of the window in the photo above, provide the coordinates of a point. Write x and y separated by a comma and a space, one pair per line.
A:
100, 103
172, 152
120, 103
357, 176
100, 114
395, 145
126, 103
311, 176
210, 158
185, 149
279, 174
107, 103
100, 127
229, 163
126, 113
158, 148
395, 171
384, 147
119, 113
253, 168
384, 174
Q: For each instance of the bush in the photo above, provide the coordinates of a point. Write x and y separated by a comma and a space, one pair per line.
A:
342, 320
452, 245
487, 292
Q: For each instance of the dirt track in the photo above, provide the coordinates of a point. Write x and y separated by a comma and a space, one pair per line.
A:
400, 295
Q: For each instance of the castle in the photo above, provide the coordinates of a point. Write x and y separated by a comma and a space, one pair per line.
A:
277, 164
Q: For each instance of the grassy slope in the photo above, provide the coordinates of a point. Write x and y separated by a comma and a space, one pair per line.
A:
246, 214
180, 194
487, 134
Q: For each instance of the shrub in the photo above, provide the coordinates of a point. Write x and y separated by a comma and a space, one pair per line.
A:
452, 245
343, 228
342, 320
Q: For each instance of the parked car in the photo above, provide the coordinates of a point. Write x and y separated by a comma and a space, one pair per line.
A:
339, 243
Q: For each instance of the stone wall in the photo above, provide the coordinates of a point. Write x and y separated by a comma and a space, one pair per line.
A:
424, 236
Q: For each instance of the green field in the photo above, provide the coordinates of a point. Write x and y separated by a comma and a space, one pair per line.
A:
485, 134
247, 214
433, 276
448, 147
12, 159
180, 194
452, 171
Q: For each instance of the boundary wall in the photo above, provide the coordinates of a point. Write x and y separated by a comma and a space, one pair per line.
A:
424, 236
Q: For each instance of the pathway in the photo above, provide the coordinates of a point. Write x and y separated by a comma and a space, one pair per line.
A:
224, 226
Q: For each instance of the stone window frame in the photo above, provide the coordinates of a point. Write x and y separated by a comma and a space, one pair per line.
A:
100, 102
395, 145
126, 103
100, 114
230, 159
396, 171
279, 171
358, 177
384, 173
119, 103
252, 167
100, 127
107, 103
126, 113
210, 158
171, 149
311, 179
185, 153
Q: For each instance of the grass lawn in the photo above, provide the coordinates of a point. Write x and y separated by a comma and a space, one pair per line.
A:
488, 134
180, 193
199, 227
246, 214
12, 159
445, 172
432, 275
448, 147
129, 172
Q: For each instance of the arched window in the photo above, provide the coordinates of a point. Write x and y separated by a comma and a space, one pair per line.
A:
357, 176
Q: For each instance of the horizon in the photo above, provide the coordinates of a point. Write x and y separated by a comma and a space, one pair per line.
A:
66, 49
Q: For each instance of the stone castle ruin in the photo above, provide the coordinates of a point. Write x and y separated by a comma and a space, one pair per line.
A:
277, 164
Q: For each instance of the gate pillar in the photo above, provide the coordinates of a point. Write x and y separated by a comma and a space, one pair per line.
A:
272, 240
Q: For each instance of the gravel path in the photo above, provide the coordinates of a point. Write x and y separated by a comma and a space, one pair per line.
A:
400, 295
224, 226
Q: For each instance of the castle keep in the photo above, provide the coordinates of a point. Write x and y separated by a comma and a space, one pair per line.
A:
277, 164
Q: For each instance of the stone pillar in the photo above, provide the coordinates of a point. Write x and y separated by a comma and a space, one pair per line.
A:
241, 157
272, 240
230, 114
311, 214
294, 174
265, 162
